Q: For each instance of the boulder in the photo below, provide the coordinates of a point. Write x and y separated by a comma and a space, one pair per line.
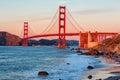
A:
43, 73
99, 79
78, 51
90, 77
68, 63
72, 49
93, 52
90, 67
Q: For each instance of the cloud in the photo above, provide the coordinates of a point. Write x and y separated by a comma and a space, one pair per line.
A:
94, 11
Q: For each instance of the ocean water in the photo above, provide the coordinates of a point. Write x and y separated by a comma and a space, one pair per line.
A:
24, 63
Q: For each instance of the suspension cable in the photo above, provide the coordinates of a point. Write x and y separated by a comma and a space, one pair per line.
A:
32, 32
72, 24
50, 23
75, 20
21, 32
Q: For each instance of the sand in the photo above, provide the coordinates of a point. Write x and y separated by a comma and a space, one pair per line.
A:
111, 72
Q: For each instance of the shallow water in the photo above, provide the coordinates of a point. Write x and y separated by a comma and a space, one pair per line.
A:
23, 63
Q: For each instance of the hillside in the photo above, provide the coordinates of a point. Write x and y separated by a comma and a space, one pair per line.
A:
7, 39
51, 42
111, 44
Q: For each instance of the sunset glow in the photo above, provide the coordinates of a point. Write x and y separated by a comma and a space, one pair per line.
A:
93, 15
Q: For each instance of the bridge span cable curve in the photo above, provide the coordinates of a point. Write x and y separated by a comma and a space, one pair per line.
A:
74, 20
72, 24
49, 25
31, 31
21, 33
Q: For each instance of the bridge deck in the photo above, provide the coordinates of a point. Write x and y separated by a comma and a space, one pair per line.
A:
74, 34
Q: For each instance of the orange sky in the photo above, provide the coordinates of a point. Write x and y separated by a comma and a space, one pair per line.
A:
94, 15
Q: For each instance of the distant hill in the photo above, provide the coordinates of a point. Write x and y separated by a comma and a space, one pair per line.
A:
51, 42
7, 39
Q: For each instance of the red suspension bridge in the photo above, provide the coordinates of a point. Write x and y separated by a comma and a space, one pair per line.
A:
62, 19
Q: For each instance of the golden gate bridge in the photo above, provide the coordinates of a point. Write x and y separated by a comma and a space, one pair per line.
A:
62, 31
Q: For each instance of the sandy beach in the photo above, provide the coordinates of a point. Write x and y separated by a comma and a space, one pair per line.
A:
111, 71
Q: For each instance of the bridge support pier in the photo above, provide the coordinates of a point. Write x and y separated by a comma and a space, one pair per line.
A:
25, 38
83, 40
62, 27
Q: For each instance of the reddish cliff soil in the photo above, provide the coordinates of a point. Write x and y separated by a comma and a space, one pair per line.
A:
110, 44
9, 39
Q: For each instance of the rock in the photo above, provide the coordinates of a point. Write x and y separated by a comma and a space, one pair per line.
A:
102, 53
90, 77
93, 52
99, 79
90, 67
87, 53
43, 73
68, 46
78, 51
113, 78
72, 49
68, 63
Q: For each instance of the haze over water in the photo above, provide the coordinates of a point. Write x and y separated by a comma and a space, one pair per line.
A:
24, 63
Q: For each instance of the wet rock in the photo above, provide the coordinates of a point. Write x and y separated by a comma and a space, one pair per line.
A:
68, 46
68, 63
102, 53
109, 54
113, 78
43, 73
72, 49
78, 51
99, 79
87, 53
90, 77
115, 72
90, 67
93, 52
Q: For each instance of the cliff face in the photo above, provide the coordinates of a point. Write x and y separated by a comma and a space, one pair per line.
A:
7, 39
111, 44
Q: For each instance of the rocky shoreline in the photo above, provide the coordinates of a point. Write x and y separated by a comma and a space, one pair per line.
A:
109, 49
108, 55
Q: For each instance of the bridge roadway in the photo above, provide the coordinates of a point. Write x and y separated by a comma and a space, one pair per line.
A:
74, 34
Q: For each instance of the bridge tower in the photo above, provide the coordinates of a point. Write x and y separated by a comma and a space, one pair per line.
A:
62, 27
25, 38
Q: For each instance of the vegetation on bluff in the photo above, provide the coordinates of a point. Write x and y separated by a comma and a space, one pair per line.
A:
110, 44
